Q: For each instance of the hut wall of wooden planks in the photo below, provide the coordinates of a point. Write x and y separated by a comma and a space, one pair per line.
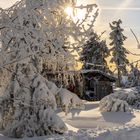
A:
97, 84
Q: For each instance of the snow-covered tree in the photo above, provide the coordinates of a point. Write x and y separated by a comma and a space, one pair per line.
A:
33, 32
5, 76
28, 105
134, 76
94, 54
118, 50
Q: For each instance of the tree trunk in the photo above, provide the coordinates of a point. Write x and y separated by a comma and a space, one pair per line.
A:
119, 75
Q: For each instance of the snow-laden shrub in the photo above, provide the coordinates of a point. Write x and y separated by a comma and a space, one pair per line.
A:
46, 123
130, 95
42, 93
68, 100
127, 97
27, 108
111, 104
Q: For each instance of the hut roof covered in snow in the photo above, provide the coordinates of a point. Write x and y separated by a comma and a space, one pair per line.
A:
98, 72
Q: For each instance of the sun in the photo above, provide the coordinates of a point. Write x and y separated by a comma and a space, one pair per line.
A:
69, 11
75, 15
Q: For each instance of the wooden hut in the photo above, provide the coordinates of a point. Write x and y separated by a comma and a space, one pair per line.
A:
97, 84
87, 84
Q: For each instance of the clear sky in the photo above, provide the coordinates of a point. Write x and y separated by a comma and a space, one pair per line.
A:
127, 10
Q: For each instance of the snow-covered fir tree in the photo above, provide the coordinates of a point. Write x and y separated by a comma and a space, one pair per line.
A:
33, 32
134, 76
118, 51
94, 54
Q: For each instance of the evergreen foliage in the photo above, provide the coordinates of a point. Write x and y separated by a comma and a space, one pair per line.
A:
94, 54
118, 51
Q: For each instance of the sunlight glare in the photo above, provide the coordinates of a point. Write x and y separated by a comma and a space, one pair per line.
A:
75, 15
69, 11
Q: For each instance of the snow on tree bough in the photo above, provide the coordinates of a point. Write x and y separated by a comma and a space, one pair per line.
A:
32, 33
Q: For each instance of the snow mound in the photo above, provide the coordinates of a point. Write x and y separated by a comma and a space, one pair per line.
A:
65, 98
69, 100
52, 87
111, 104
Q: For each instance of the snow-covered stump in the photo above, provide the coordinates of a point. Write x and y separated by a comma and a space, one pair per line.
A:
28, 106
112, 104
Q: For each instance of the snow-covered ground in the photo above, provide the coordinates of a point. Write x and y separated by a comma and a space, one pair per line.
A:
91, 117
89, 124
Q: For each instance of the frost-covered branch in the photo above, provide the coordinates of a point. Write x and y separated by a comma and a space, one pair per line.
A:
34, 34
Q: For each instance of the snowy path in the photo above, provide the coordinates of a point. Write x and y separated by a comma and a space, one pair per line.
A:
90, 124
92, 118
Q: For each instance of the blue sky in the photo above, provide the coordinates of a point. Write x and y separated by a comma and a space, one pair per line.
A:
127, 10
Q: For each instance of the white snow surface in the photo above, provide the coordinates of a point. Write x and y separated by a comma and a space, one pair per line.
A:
91, 124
